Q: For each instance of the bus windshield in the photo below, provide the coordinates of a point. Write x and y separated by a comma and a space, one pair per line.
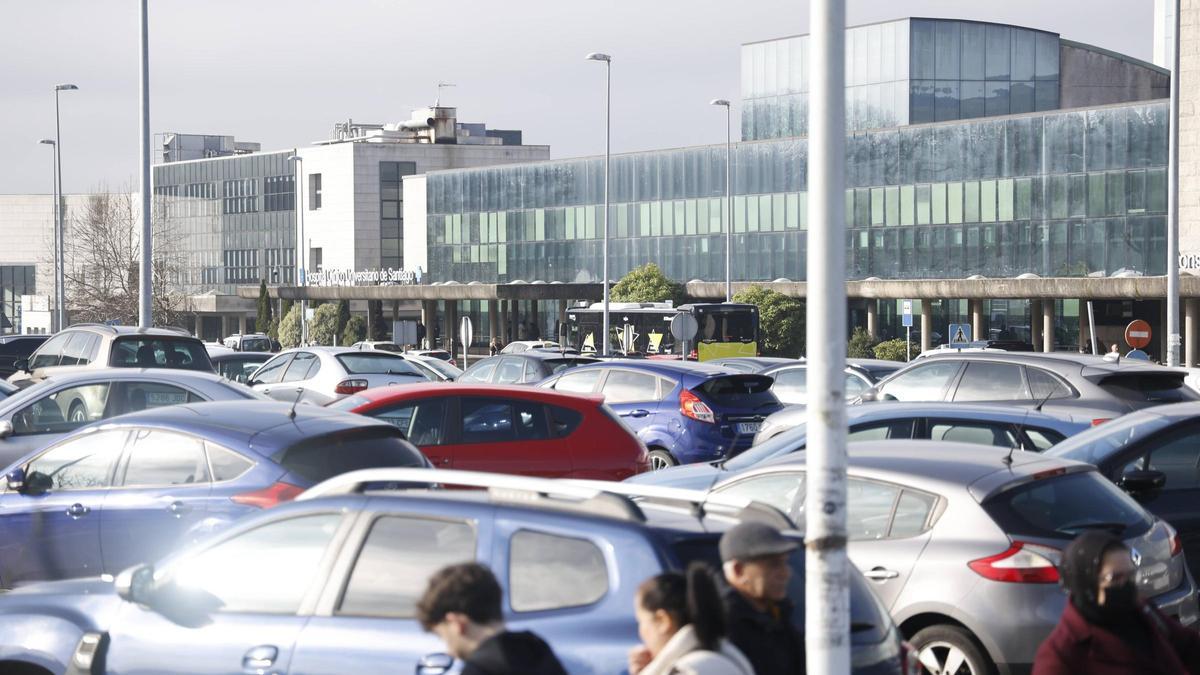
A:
736, 326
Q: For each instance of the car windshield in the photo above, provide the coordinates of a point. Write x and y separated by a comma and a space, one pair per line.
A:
559, 365
243, 391
160, 352
791, 440
1096, 444
718, 326
387, 347
378, 363
348, 403
1062, 506
442, 367
256, 344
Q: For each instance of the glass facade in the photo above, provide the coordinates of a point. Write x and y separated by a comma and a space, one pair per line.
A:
234, 219
15, 281
1066, 193
391, 211
907, 71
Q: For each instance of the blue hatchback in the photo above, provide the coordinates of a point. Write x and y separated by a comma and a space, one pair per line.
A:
129, 490
683, 411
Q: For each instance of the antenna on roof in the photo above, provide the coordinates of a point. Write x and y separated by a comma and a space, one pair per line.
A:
1021, 427
292, 412
440, 86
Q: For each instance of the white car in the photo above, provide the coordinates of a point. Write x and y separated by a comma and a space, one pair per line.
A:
525, 345
322, 375
378, 345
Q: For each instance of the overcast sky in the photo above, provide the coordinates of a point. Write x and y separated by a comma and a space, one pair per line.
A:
282, 72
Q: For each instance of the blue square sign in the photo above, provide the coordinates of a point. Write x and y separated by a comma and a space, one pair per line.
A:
960, 333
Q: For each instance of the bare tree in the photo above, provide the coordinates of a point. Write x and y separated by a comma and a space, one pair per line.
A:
102, 251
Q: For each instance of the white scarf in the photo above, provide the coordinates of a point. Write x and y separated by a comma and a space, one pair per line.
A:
683, 643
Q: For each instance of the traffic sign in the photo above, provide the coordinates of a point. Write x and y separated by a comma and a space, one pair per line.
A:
1137, 334
906, 306
464, 331
960, 333
684, 327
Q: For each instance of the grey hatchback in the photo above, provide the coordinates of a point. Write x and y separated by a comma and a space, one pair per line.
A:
961, 543
1081, 387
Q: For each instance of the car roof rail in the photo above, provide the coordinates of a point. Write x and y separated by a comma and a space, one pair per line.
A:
697, 501
500, 487
102, 326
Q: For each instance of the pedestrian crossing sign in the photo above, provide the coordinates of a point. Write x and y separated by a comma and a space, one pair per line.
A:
960, 333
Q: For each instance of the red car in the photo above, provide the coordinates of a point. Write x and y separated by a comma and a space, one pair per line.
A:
508, 429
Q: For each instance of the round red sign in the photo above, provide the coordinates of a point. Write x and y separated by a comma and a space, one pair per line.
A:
1137, 334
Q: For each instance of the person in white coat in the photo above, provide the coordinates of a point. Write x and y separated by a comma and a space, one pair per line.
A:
681, 622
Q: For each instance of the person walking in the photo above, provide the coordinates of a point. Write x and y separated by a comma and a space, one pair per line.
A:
682, 627
1105, 628
755, 559
461, 605
494, 346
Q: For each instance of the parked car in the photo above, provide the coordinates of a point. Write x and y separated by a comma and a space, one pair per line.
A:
508, 429
752, 364
250, 342
42, 413
528, 367
518, 346
1084, 387
15, 347
442, 370
791, 380
239, 366
785, 432
440, 354
381, 345
321, 375
96, 346
127, 491
7, 389
1154, 455
961, 543
328, 584
683, 411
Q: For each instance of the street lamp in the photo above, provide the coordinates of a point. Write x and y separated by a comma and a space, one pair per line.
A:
54, 191
60, 291
597, 56
302, 276
728, 195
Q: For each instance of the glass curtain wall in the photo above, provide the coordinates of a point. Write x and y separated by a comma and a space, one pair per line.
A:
1057, 194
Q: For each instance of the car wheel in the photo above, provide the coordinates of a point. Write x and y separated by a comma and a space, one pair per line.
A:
78, 414
949, 650
661, 459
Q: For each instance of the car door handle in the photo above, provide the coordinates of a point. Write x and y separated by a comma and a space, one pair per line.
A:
259, 659
179, 509
77, 510
445, 460
636, 413
265, 390
880, 574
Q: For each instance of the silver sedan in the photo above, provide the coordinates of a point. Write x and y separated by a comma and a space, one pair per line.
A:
322, 375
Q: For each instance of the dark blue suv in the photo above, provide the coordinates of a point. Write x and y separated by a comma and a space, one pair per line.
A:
684, 412
130, 489
328, 584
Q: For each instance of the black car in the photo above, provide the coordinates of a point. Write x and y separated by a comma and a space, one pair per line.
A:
238, 366
14, 347
527, 367
1154, 455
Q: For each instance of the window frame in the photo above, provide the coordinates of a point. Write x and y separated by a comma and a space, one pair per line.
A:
112, 469
122, 465
604, 554
654, 398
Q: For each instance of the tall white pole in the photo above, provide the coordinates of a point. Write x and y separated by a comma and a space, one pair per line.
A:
56, 323
301, 271
728, 202
1173, 340
607, 176
59, 291
145, 308
827, 610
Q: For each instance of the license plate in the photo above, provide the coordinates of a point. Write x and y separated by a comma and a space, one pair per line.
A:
748, 427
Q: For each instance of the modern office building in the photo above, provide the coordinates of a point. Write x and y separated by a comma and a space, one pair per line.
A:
238, 219
976, 149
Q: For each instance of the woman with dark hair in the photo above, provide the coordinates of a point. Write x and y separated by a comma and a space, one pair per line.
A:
681, 622
1106, 629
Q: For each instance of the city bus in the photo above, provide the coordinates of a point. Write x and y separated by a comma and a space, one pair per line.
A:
644, 329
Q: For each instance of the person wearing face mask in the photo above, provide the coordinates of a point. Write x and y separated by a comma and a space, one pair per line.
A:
1106, 629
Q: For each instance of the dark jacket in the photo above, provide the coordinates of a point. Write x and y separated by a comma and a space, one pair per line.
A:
1078, 646
510, 653
768, 640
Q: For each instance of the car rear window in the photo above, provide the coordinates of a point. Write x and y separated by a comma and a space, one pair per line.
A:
348, 403
380, 363
160, 352
259, 344
740, 390
322, 457
558, 365
438, 354
1149, 388
1062, 506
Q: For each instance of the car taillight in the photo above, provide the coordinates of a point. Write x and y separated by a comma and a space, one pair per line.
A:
1176, 542
350, 386
1100, 420
691, 406
1022, 563
268, 496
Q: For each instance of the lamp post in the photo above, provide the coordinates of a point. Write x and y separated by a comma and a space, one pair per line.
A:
607, 60
302, 276
728, 196
60, 291
54, 191
1173, 205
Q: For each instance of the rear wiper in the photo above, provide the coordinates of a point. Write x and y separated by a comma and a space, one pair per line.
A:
861, 626
1114, 527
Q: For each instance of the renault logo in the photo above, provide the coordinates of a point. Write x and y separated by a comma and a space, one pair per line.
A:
1136, 555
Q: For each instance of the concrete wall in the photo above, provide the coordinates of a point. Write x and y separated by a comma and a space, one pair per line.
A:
1091, 76
27, 230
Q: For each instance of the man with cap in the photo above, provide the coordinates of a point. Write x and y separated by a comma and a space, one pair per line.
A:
755, 561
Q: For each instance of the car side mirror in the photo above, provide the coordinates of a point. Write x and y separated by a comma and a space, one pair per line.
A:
135, 584
6, 428
252, 382
1143, 481
21, 364
35, 483
869, 395
435, 664
16, 480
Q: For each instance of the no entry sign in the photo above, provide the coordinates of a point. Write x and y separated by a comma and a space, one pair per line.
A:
1137, 334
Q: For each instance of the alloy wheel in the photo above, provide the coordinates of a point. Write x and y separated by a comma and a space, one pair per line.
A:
944, 658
